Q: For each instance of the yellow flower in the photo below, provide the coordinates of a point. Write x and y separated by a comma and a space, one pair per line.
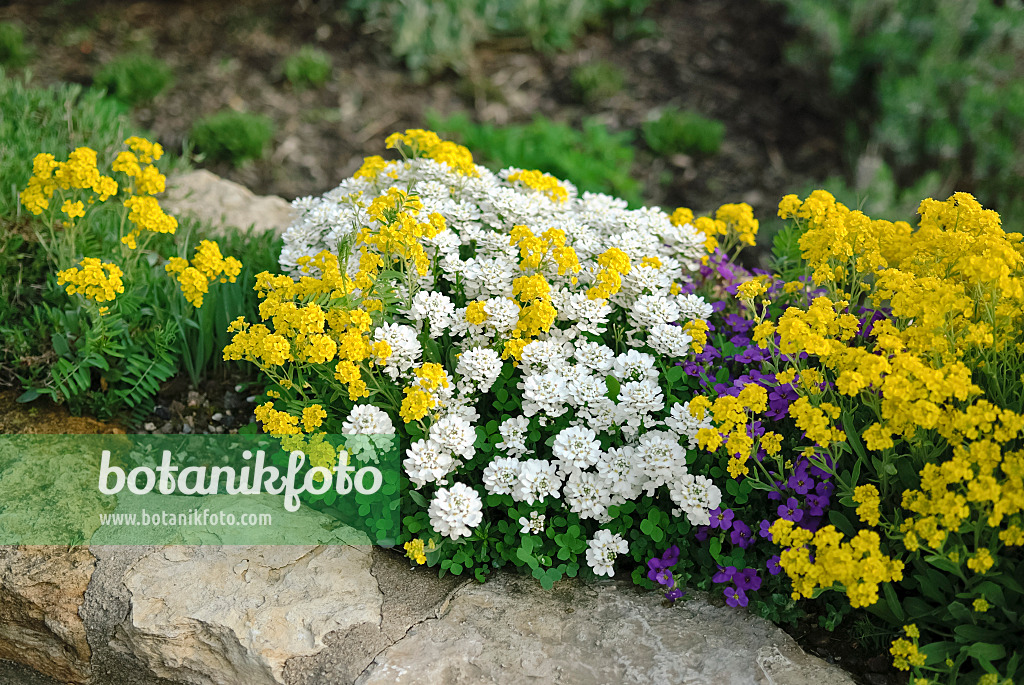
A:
93, 280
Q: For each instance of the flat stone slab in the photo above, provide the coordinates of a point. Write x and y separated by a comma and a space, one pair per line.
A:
225, 204
511, 631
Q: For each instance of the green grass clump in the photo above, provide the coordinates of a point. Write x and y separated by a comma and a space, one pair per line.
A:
683, 132
597, 81
933, 85
13, 51
593, 158
310, 67
134, 79
233, 137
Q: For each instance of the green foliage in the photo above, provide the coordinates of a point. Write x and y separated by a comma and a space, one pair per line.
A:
593, 158
683, 132
597, 81
134, 79
13, 51
432, 36
310, 67
936, 85
233, 136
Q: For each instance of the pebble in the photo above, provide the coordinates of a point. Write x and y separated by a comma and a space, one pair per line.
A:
186, 428
149, 427
217, 417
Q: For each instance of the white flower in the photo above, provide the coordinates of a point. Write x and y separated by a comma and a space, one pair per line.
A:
624, 476
693, 307
603, 550
405, 348
538, 479
435, 308
696, 496
576, 449
683, 422
533, 525
637, 401
587, 495
427, 462
545, 393
669, 340
501, 477
455, 511
650, 310
634, 366
661, 457
594, 356
454, 434
481, 366
513, 434
366, 419
542, 355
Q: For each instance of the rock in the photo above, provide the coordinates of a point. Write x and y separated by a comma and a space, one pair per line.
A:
227, 615
510, 630
224, 203
41, 590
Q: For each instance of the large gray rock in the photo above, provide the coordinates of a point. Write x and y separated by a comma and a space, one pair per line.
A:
224, 203
512, 631
227, 615
41, 591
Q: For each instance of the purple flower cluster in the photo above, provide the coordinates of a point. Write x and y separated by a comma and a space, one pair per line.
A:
736, 594
659, 571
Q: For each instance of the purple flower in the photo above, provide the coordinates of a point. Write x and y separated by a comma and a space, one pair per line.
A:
725, 574
674, 594
722, 519
664, 577
658, 566
741, 534
748, 579
702, 533
800, 482
816, 504
790, 511
773, 565
765, 529
735, 597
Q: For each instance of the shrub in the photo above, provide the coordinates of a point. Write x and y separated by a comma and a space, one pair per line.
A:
13, 51
134, 79
597, 81
433, 36
233, 136
308, 68
683, 132
593, 157
936, 86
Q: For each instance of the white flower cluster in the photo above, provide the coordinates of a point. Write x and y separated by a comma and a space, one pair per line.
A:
465, 309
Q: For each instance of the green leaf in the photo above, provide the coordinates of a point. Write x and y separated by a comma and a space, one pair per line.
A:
893, 601
986, 651
612, 383
418, 498
28, 395
674, 374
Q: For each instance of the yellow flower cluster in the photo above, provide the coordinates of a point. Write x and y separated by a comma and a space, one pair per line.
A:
541, 182
614, 264
730, 416
276, 422
868, 501
207, 265
905, 653
93, 280
858, 565
417, 142
733, 225
421, 396
147, 215
397, 236
414, 550
79, 172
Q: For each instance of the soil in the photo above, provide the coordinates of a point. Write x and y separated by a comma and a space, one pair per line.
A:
722, 58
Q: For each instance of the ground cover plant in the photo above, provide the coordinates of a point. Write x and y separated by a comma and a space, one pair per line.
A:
104, 291
579, 389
